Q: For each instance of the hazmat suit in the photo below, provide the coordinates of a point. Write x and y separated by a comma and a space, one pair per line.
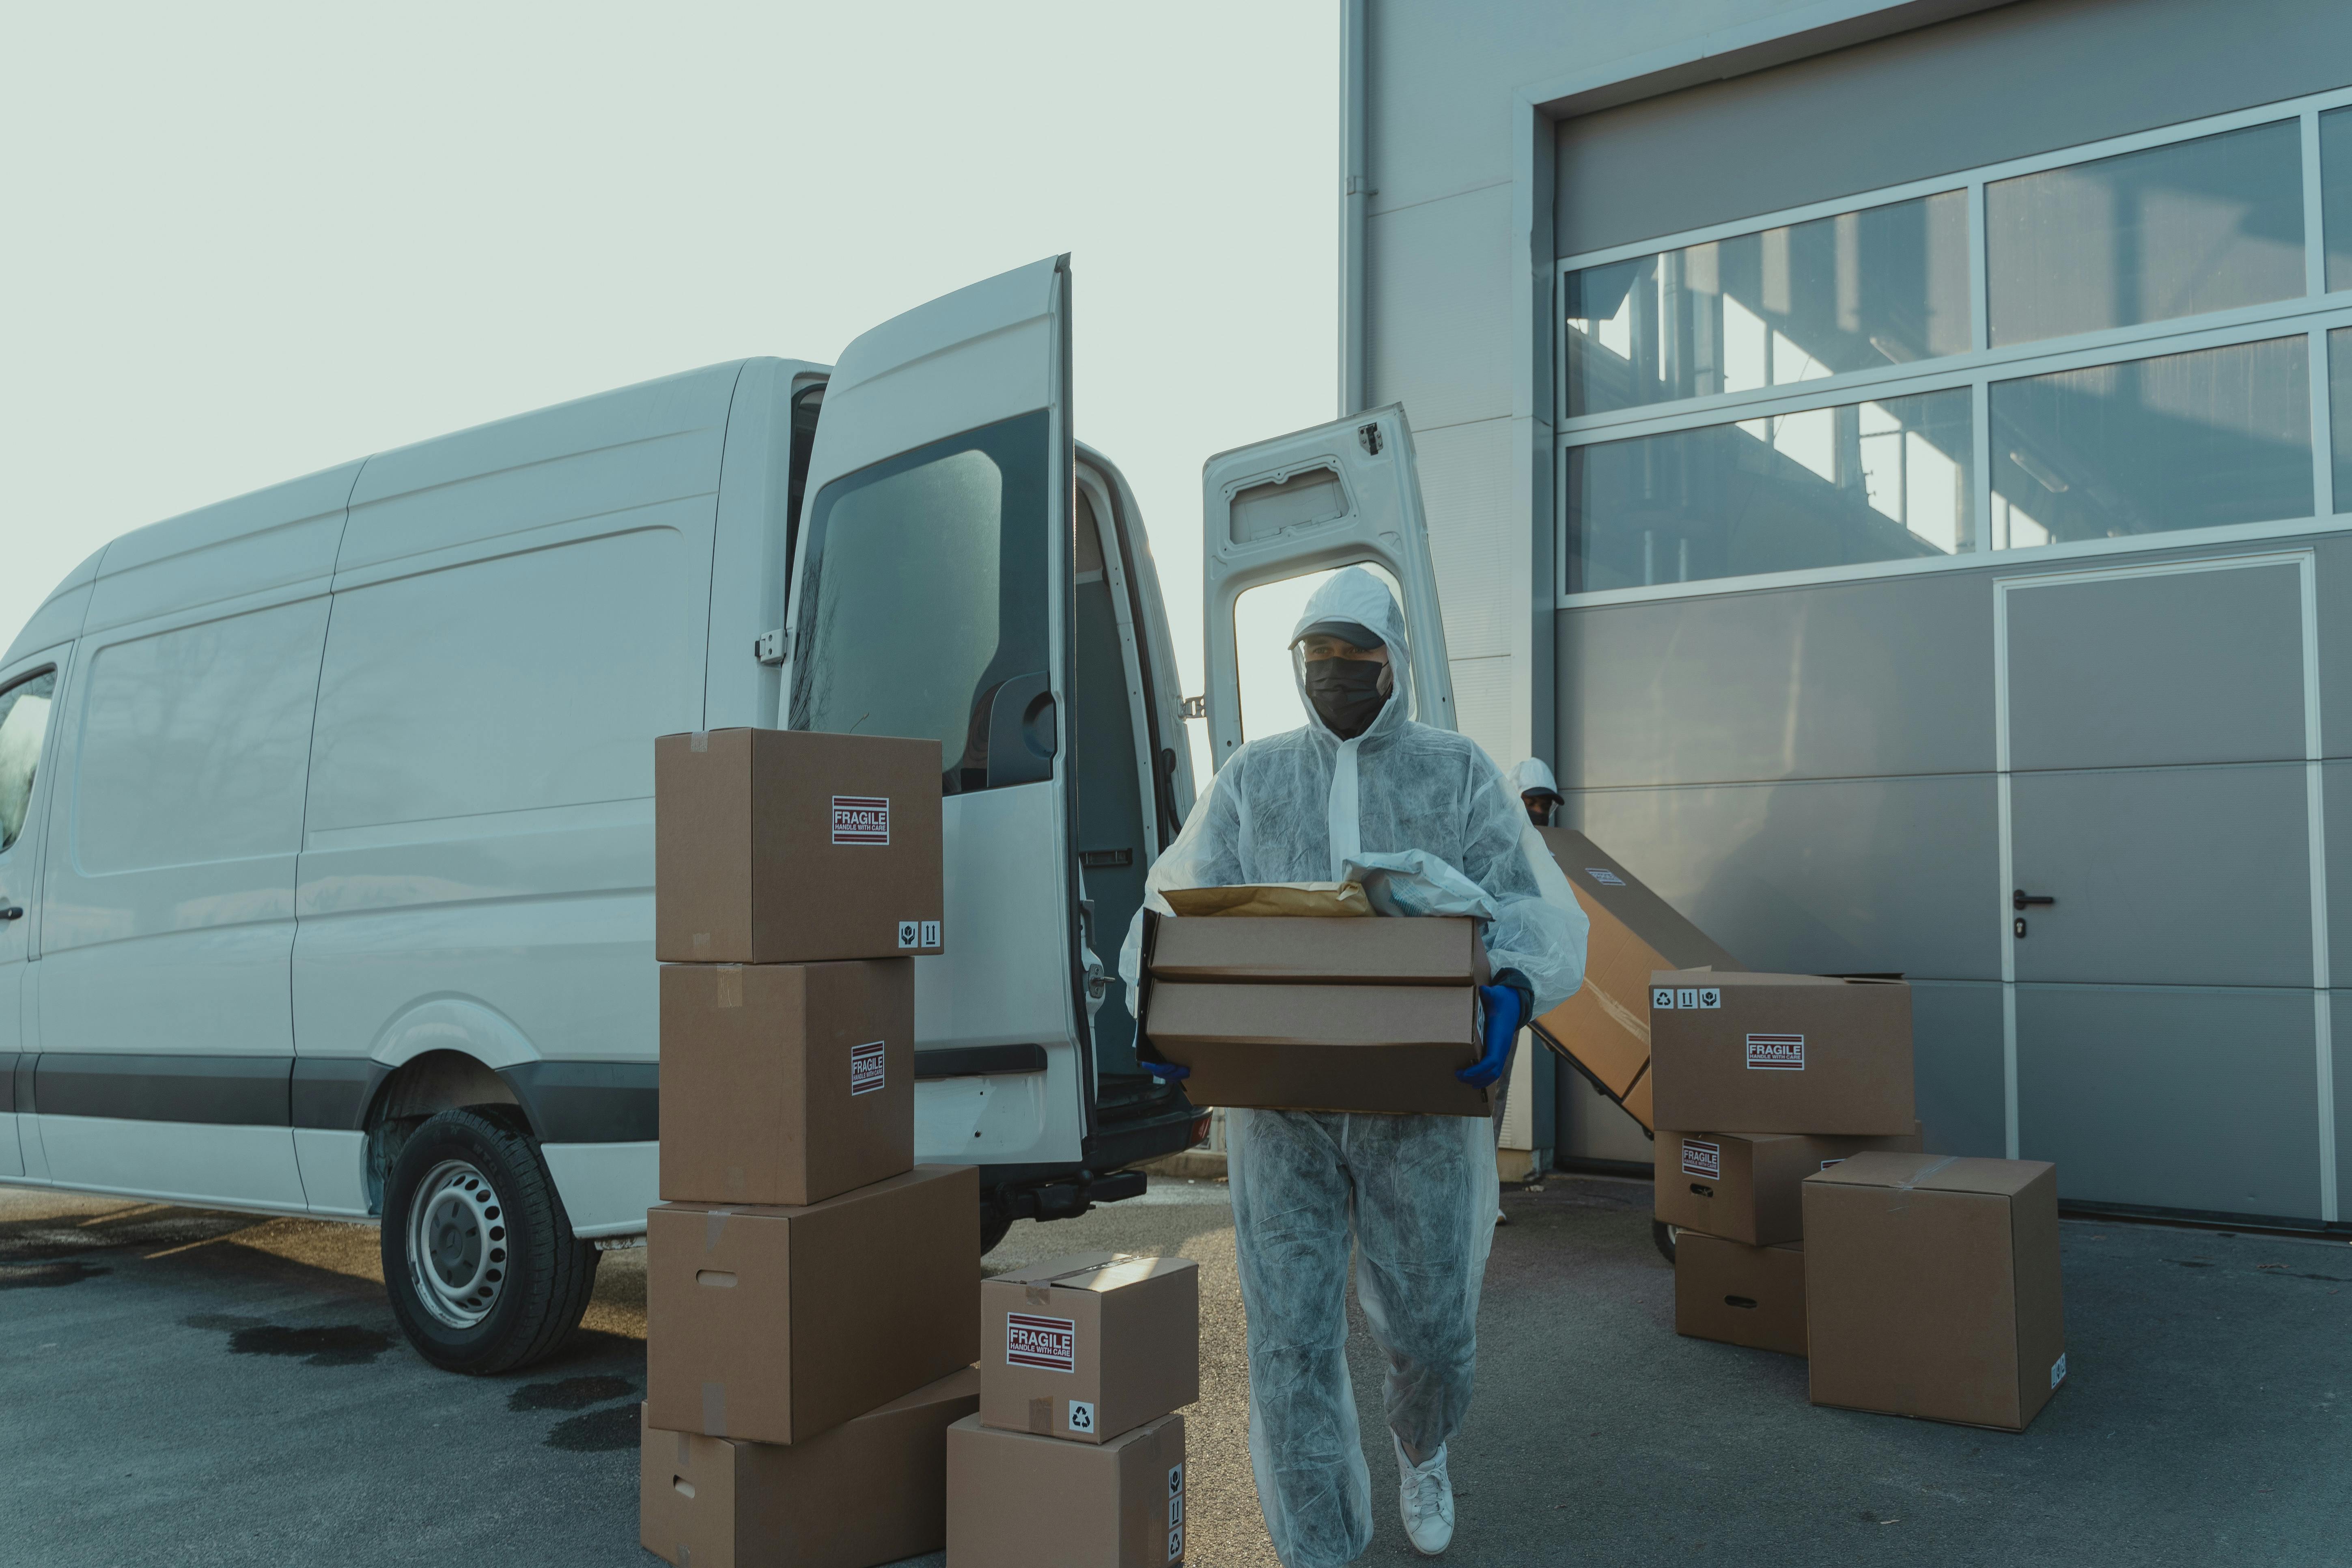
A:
1419, 1193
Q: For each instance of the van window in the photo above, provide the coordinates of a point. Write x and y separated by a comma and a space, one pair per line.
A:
924, 593
24, 719
194, 742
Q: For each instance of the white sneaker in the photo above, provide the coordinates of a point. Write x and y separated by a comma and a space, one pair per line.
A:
1425, 1498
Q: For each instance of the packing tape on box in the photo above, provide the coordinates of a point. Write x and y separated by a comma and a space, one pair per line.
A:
699, 740
730, 986
714, 1410
1038, 1295
685, 1450
1634, 1024
1922, 1174
712, 1223
1041, 1417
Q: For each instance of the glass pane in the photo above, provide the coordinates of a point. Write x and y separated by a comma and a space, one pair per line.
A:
24, 719
2187, 440
1263, 619
1885, 480
2339, 412
2336, 194
2198, 225
926, 592
1861, 290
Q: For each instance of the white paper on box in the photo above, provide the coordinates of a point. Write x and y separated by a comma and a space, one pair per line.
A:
861, 820
865, 1068
1051, 1344
1701, 1158
1776, 1053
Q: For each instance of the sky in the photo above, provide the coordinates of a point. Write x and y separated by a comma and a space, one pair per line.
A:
248, 242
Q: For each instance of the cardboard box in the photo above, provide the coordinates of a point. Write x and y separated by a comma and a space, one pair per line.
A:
1604, 1028
1089, 1346
1935, 1289
774, 1325
1750, 1186
871, 1490
785, 1083
1782, 1053
794, 846
1319, 1014
1017, 1500
1741, 1295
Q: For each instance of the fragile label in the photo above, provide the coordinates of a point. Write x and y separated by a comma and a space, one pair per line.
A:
1707, 997
1051, 1344
1082, 1415
1702, 1159
861, 820
2058, 1370
1606, 879
1777, 1053
865, 1068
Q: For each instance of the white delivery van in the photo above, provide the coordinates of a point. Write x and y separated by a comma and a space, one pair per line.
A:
326, 814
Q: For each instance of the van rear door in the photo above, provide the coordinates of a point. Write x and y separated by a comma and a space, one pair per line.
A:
930, 597
1280, 516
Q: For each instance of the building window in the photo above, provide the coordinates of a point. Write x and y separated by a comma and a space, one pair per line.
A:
2068, 353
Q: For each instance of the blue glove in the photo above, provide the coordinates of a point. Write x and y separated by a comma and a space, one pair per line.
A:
1167, 1072
1502, 1028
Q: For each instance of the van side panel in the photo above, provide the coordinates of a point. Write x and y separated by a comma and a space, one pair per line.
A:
518, 611
167, 897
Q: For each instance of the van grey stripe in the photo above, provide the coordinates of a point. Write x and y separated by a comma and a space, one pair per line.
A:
334, 1091
8, 1081
20, 1082
589, 1102
244, 1091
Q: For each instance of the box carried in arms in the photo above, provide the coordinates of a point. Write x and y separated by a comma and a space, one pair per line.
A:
1604, 1029
1318, 1013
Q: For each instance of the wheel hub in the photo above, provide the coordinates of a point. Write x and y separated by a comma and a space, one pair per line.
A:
456, 1244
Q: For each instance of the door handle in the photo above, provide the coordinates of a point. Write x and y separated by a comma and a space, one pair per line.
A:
12, 913
2019, 899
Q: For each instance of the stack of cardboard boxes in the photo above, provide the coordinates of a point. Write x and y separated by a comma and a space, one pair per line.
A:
812, 1295
1077, 1453
1917, 1285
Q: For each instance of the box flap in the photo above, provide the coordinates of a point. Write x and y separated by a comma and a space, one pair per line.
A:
1400, 951
1601, 882
1934, 1174
1095, 1271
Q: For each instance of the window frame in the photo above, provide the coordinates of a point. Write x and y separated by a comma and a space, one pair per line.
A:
2312, 314
42, 756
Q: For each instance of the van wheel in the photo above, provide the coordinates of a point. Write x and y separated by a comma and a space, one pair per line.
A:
1665, 1236
995, 1224
484, 1273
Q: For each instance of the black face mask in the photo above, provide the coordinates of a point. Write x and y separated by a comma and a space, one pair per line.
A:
1346, 693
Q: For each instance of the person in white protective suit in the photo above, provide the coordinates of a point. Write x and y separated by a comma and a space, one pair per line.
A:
1541, 792
1416, 1195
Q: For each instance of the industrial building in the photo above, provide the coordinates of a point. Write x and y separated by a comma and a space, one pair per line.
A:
1888, 459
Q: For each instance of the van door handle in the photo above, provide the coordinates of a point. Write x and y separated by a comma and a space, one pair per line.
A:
12, 913
2019, 899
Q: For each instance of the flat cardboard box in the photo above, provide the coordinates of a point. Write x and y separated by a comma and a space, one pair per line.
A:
871, 1490
774, 1325
1308, 950
1741, 1295
1017, 1500
1782, 1053
1750, 1186
1604, 1028
1933, 1288
1392, 1048
1089, 1346
795, 847
785, 1083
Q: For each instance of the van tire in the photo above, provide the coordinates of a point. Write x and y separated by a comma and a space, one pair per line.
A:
502, 1281
1665, 1236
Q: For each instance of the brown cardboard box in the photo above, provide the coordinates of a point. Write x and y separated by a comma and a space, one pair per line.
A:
1089, 1346
1016, 1501
1321, 1015
1749, 1186
1934, 1287
1604, 1028
795, 847
785, 1083
1782, 1053
871, 1490
1741, 1295
773, 1324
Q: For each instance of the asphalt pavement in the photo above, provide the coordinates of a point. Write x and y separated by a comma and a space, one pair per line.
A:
188, 1387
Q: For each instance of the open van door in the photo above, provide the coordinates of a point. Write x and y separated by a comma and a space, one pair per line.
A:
1280, 516
930, 597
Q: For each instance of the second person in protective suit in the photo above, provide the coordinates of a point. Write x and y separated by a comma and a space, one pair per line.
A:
1412, 1196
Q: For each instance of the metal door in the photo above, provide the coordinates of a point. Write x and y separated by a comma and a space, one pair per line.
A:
2165, 956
